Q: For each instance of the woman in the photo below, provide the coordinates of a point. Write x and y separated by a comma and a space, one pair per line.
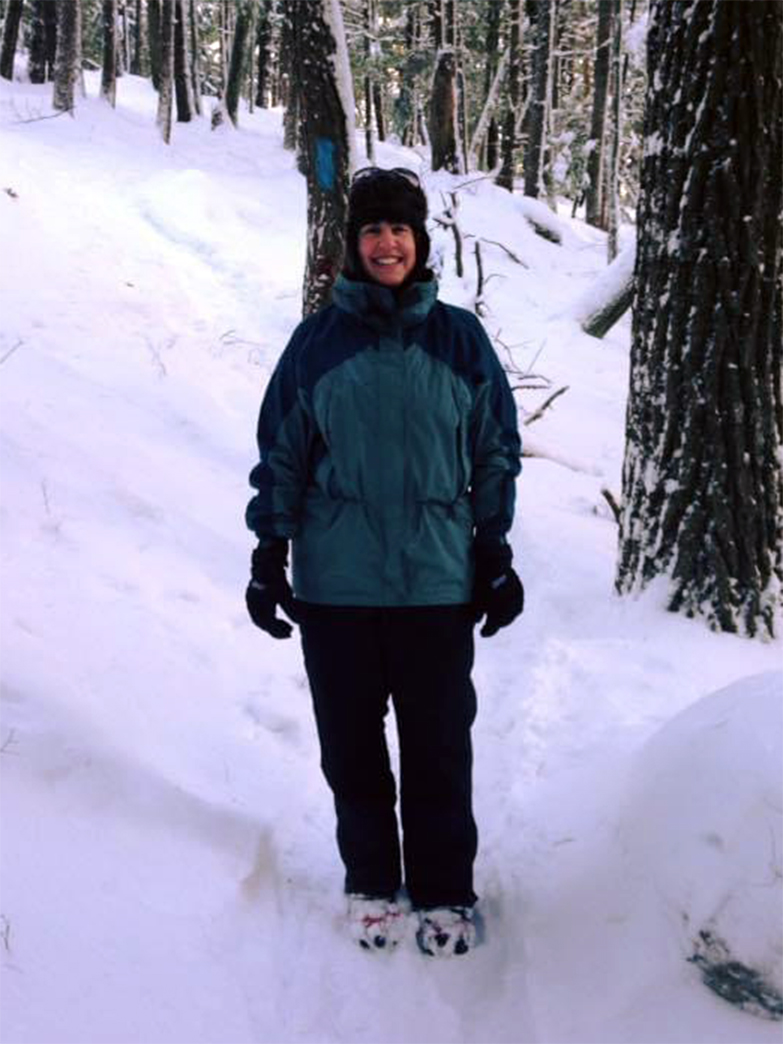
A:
388, 453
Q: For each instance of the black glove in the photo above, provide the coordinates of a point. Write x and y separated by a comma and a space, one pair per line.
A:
269, 588
497, 590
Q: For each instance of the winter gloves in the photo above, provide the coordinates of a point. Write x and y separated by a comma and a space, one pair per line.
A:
497, 590
269, 588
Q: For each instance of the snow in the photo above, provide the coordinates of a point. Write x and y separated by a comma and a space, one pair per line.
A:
167, 866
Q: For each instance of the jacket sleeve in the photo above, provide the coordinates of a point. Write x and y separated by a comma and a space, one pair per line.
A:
284, 434
496, 448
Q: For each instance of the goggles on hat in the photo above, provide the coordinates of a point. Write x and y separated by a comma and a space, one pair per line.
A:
367, 173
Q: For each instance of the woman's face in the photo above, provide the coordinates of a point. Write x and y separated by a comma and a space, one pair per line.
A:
387, 251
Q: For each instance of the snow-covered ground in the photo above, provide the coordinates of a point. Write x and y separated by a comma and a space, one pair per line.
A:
168, 868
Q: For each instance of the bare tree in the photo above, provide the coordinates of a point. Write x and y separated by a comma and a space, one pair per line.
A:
595, 162
109, 71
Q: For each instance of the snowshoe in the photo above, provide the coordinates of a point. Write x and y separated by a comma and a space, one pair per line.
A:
446, 931
375, 924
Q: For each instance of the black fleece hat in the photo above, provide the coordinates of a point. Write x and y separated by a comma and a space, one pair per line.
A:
386, 196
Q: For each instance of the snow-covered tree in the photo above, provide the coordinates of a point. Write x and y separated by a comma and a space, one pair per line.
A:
702, 486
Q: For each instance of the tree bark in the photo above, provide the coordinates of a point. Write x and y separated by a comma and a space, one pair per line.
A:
702, 485
613, 202
109, 71
43, 42
183, 73
327, 129
508, 146
136, 64
491, 47
154, 28
195, 59
443, 114
263, 51
540, 101
69, 53
165, 99
595, 159
239, 54
13, 18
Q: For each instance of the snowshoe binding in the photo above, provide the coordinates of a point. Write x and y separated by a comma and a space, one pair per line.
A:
446, 931
375, 924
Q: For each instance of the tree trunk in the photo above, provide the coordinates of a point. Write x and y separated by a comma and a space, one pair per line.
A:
539, 102
327, 131
263, 50
183, 73
369, 139
491, 46
443, 114
239, 52
508, 146
69, 53
377, 105
595, 159
136, 65
109, 72
166, 91
289, 73
13, 17
43, 42
154, 29
702, 485
613, 202
195, 60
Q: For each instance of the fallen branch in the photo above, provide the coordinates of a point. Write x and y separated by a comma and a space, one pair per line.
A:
537, 414
479, 306
37, 119
494, 242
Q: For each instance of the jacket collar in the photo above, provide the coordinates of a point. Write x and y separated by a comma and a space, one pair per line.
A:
380, 308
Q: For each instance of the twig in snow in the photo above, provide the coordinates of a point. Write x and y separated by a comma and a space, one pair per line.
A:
537, 414
8, 742
479, 306
5, 932
11, 351
494, 242
37, 119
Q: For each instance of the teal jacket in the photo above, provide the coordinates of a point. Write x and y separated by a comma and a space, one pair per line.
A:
388, 445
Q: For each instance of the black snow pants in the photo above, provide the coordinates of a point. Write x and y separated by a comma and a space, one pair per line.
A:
421, 657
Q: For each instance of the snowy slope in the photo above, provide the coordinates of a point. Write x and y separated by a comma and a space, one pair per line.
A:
167, 866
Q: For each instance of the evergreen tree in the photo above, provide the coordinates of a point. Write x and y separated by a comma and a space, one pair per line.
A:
702, 486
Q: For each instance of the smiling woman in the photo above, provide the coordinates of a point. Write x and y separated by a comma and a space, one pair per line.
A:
389, 447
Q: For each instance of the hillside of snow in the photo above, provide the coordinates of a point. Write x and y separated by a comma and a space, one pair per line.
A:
167, 865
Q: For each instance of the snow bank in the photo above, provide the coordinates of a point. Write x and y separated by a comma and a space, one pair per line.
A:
703, 830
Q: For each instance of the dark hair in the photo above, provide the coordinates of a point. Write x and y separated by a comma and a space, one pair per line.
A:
384, 195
